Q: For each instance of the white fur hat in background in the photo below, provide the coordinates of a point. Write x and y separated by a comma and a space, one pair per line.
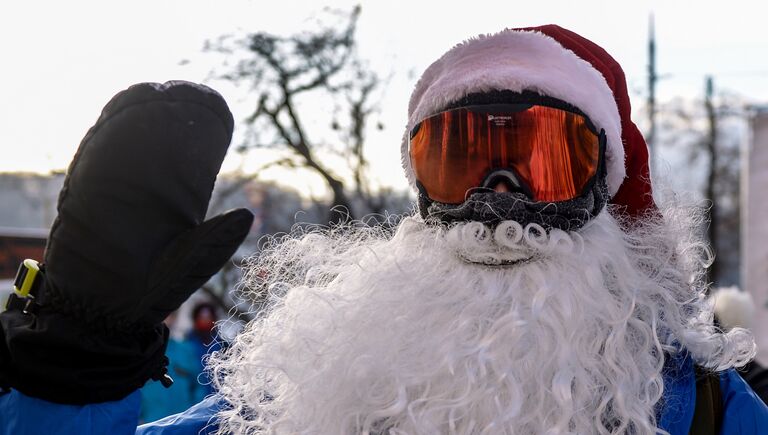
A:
554, 62
733, 308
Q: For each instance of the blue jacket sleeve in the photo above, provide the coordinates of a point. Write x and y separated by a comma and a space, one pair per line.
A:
744, 412
23, 415
198, 419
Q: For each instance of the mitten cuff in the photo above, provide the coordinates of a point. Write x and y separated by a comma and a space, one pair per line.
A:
56, 358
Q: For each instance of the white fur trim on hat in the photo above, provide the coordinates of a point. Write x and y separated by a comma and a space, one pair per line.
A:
519, 61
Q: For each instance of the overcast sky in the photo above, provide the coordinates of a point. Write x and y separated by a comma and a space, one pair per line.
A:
63, 60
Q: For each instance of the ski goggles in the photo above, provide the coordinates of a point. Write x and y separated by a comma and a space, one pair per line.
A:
554, 154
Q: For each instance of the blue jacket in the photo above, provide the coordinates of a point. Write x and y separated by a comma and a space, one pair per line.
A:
744, 412
184, 368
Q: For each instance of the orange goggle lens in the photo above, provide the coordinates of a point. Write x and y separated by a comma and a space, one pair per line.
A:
554, 152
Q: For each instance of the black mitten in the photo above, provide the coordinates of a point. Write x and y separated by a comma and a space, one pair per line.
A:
129, 245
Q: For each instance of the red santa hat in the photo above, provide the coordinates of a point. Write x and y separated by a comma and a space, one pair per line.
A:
555, 62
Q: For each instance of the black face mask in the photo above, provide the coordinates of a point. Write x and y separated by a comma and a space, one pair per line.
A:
490, 207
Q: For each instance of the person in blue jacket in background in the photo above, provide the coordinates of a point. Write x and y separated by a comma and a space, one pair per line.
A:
539, 289
203, 343
185, 365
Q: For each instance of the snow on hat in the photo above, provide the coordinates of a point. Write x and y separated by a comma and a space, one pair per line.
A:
551, 61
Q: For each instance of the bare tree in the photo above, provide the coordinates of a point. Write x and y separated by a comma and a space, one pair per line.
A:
709, 143
285, 73
708, 133
275, 208
313, 99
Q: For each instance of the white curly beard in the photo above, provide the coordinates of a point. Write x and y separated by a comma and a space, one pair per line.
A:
373, 333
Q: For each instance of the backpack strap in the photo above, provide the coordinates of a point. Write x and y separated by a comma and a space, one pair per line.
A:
708, 415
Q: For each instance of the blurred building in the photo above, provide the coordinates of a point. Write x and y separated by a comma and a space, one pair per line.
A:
17, 244
29, 200
755, 225
29, 208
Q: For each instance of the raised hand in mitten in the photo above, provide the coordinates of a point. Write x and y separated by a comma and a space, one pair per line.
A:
129, 245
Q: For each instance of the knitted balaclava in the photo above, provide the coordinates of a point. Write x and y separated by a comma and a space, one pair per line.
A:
552, 63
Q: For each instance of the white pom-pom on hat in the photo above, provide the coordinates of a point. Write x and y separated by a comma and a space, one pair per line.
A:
733, 308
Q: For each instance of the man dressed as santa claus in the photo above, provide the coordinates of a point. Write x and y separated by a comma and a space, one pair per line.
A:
539, 289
